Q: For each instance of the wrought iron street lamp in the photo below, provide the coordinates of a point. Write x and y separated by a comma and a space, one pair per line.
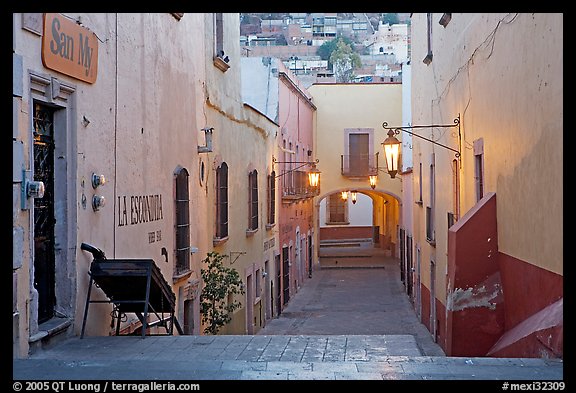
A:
392, 145
344, 195
313, 173
353, 196
391, 152
313, 176
373, 179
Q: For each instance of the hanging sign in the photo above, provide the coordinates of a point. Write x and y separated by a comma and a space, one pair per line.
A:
69, 48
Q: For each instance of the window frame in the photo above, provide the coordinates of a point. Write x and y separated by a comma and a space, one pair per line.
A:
428, 59
479, 179
253, 216
271, 217
221, 230
220, 58
182, 224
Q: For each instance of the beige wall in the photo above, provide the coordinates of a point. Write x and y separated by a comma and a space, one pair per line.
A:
503, 74
145, 117
157, 96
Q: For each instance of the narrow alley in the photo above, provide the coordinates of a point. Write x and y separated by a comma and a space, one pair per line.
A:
354, 301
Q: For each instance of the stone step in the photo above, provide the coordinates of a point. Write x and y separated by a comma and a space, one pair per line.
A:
191, 358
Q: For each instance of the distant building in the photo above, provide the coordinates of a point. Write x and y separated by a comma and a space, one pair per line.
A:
390, 40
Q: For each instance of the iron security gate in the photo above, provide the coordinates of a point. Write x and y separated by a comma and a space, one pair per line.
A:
44, 258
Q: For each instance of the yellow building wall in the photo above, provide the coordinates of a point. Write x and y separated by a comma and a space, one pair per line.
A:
243, 138
342, 106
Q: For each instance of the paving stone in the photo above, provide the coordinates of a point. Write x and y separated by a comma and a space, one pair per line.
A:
311, 375
243, 365
264, 375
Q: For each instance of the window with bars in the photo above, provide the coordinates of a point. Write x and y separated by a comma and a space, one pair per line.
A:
272, 198
478, 146
222, 201
253, 200
182, 222
478, 176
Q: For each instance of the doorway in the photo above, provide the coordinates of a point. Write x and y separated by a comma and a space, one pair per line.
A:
44, 221
433, 300
286, 274
249, 305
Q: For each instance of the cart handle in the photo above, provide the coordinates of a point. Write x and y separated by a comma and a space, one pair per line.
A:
96, 252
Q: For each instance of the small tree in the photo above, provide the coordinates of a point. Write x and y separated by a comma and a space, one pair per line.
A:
391, 19
344, 61
325, 50
219, 283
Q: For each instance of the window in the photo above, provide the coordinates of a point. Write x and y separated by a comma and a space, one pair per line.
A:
222, 201
445, 19
258, 283
220, 58
182, 223
456, 189
271, 199
337, 210
428, 59
253, 200
358, 159
219, 34
359, 148
479, 168
419, 201
430, 236
290, 175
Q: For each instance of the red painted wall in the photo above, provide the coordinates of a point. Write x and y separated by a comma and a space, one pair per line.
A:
440, 315
534, 311
498, 305
528, 288
539, 335
425, 299
474, 293
348, 232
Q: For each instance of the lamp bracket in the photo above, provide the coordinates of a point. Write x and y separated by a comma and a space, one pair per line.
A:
237, 255
274, 161
397, 130
302, 163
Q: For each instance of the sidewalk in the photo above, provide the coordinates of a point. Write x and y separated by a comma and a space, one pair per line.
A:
350, 301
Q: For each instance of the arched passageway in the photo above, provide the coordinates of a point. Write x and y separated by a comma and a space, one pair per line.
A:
357, 227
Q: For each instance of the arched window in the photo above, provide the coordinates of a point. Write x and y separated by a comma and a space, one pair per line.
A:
182, 264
